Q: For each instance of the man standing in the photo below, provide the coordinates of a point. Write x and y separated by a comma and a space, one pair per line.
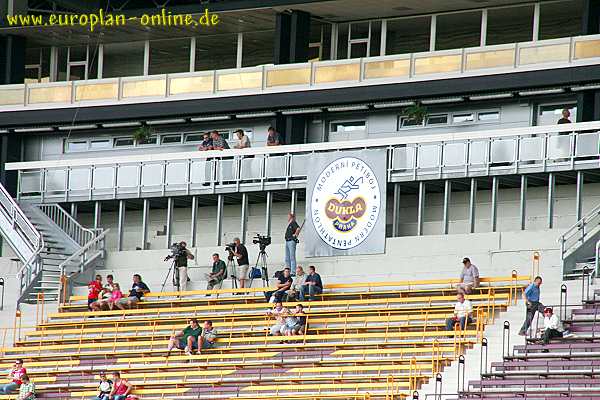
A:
285, 282
463, 311
273, 137
181, 263
531, 295
187, 339
243, 140
565, 117
218, 274
469, 277
312, 285
218, 143
291, 240
241, 253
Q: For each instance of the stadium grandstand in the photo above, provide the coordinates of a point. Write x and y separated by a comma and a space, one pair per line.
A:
282, 199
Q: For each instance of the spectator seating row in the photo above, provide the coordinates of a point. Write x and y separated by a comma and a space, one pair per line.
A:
566, 368
362, 343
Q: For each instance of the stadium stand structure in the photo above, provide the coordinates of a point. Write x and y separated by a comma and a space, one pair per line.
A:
369, 340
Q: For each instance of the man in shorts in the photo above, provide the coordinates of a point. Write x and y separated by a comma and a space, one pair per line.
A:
208, 337
187, 339
138, 290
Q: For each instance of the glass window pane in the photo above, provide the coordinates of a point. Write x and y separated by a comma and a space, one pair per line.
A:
101, 144
150, 140
359, 30
437, 119
33, 56
458, 118
408, 35
216, 52
358, 50
123, 142
458, 30
80, 145
123, 59
562, 19
349, 126
78, 53
169, 56
509, 25
166, 139
76, 72
488, 116
257, 48
193, 137
406, 122
342, 47
375, 45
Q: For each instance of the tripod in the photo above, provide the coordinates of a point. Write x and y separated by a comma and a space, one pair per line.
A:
261, 262
232, 272
175, 272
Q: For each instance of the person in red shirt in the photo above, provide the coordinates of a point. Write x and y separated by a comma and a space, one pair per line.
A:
94, 289
121, 388
15, 378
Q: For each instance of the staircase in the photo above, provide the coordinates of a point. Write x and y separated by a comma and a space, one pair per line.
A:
580, 244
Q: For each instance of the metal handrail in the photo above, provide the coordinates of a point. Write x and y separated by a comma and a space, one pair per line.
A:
580, 230
80, 234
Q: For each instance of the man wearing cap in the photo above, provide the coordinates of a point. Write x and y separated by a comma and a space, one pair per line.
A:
552, 326
469, 277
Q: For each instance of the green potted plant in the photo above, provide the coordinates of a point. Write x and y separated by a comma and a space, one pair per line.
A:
142, 134
416, 112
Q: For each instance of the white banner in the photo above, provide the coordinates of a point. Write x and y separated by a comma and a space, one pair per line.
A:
345, 203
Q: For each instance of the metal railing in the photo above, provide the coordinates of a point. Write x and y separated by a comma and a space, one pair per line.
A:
81, 259
80, 234
506, 58
578, 234
452, 155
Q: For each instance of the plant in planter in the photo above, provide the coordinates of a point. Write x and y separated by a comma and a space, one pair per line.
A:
142, 134
416, 112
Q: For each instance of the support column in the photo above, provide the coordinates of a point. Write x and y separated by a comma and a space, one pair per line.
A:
585, 105
193, 221
396, 211
74, 210
219, 229
579, 196
12, 59
97, 214
420, 208
550, 204
169, 235
269, 203
282, 38
591, 17
523, 202
293, 201
494, 216
292, 33
244, 217
446, 217
145, 219
120, 225
472, 204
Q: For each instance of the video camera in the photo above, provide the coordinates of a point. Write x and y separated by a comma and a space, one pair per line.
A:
230, 248
262, 241
177, 250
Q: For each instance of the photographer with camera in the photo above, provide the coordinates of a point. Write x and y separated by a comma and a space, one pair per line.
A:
181, 254
241, 254
291, 240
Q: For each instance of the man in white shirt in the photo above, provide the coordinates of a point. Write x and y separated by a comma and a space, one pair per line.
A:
552, 326
463, 311
243, 140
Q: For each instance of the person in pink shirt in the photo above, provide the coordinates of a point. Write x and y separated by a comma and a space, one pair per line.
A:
15, 378
115, 295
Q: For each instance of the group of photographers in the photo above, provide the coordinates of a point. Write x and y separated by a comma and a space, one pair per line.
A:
238, 255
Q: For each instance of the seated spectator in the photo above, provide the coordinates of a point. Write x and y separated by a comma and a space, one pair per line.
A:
27, 389
94, 289
243, 140
218, 274
218, 143
462, 313
552, 327
295, 323
279, 312
312, 285
104, 295
14, 376
138, 290
115, 296
187, 339
104, 387
565, 119
121, 388
295, 291
469, 277
273, 138
208, 338
207, 143
284, 283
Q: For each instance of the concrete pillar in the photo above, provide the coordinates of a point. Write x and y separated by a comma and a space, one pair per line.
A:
169, 235
120, 225
193, 221
219, 218
446, 216
396, 211
145, 218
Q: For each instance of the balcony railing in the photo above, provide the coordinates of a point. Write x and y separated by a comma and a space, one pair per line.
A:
453, 155
570, 51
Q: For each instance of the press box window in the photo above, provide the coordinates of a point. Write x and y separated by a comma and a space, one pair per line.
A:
437, 120
461, 118
81, 145
101, 144
194, 138
346, 127
405, 122
488, 116
123, 142
169, 139
150, 140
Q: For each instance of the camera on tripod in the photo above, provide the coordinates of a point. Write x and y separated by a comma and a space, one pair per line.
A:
262, 241
230, 249
177, 250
